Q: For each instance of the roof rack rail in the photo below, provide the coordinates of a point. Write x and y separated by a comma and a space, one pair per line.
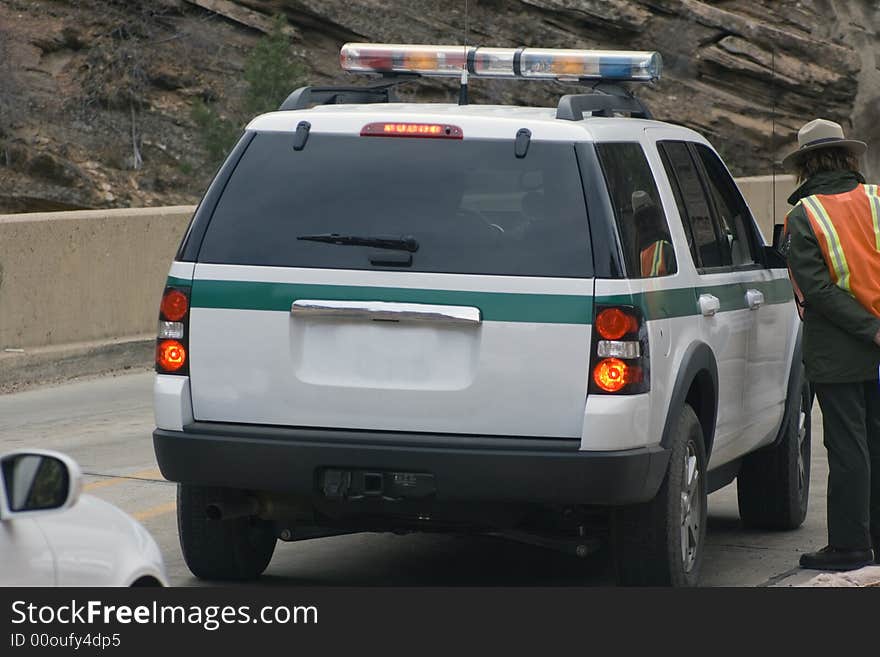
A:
605, 99
380, 92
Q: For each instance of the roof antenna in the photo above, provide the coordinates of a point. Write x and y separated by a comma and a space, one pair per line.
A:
463, 89
773, 135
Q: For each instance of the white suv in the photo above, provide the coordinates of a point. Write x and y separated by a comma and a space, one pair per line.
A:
561, 325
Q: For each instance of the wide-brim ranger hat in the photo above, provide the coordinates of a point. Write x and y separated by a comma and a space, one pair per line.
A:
821, 133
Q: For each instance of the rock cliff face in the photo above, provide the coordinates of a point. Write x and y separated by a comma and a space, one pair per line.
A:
95, 95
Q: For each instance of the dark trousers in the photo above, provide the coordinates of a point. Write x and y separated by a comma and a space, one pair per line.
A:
851, 422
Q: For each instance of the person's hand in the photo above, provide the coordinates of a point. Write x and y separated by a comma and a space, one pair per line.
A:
877, 338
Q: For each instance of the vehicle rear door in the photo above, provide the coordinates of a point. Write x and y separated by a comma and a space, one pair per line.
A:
484, 328
767, 297
720, 289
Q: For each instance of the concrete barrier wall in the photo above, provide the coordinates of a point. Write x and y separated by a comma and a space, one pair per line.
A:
72, 277
759, 192
82, 276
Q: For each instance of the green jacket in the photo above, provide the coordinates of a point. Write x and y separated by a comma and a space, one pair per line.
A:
839, 332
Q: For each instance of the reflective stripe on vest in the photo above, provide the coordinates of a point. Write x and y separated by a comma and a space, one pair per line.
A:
652, 259
874, 198
819, 216
847, 228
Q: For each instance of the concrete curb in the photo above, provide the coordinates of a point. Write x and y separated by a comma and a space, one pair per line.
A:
868, 576
24, 368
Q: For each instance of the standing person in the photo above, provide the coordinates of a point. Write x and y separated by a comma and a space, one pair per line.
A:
832, 241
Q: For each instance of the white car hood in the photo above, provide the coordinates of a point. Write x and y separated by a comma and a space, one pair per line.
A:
97, 544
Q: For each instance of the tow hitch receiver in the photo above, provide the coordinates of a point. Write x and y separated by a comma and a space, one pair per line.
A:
361, 484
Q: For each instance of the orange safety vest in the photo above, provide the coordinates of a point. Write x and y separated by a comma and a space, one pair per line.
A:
847, 228
652, 259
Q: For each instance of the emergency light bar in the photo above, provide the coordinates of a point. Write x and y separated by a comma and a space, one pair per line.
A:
523, 63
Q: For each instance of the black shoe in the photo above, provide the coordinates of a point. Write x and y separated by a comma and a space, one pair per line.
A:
876, 541
830, 558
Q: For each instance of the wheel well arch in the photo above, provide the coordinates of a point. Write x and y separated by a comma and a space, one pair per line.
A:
702, 397
146, 581
796, 379
697, 386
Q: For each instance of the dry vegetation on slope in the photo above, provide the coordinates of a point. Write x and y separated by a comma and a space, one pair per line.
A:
96, 96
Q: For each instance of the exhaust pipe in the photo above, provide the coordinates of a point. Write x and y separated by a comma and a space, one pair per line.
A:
246, 507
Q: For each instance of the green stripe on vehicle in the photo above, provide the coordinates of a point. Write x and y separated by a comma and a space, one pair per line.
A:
495, 306
778, 290
684, 302
660, 304
173, 281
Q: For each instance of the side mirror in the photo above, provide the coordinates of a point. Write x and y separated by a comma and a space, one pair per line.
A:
777, 236
36, 482
773, 259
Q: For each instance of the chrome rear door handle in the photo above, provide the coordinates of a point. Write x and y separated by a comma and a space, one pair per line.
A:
709, 305
386, 311
755, 299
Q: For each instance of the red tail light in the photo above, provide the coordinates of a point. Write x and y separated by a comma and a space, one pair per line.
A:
614, 323
612, 374
619, 355
170, 355
172, 343
174, 305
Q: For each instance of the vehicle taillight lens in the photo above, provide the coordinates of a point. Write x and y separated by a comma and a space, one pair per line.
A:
174, 305
614, 323
620, 358
170, 355
610, 374
172, 341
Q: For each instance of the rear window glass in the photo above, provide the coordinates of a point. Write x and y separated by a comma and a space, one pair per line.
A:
644, 231
471, 205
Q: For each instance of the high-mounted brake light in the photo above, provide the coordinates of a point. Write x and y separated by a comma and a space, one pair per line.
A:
428, 130
552, 63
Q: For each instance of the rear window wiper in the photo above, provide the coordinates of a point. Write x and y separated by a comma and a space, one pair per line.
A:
402, 243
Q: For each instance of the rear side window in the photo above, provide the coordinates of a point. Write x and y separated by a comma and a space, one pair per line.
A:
734, 217
693, 206
472, 206
641, 222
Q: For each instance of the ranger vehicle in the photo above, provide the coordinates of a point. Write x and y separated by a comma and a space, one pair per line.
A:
560, 325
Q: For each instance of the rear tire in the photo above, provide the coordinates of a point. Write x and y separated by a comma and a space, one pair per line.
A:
660, 543
773, 485
238, 549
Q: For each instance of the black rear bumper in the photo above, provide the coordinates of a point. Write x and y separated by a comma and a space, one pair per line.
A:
464, 468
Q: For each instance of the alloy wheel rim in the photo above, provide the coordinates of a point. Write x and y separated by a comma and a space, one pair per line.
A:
802, 447
691, 509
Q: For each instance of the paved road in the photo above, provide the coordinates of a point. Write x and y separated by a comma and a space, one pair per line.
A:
106, 425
